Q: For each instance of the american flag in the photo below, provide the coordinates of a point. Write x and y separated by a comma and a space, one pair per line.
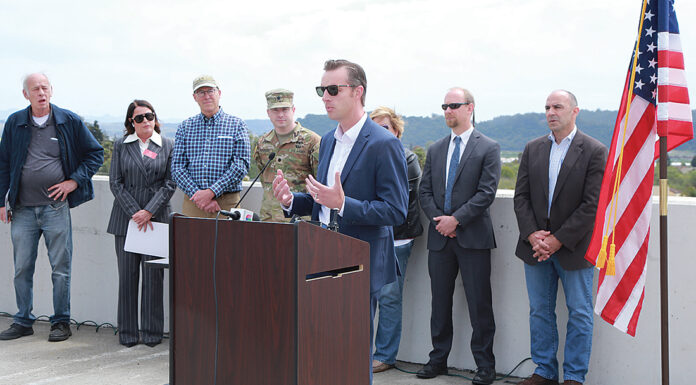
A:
656, 101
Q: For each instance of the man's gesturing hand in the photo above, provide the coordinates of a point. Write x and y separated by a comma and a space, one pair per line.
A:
331, 197
281, 189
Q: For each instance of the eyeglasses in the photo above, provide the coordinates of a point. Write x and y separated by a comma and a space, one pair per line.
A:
453, 106
207, 92
332, 89
150, 116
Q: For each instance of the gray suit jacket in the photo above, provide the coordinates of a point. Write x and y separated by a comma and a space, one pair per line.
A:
474, 190
140, 182
574, 202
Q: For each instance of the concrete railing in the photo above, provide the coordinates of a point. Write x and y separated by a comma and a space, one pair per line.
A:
616, 358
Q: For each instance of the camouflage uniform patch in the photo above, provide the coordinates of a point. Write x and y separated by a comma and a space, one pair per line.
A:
297, 158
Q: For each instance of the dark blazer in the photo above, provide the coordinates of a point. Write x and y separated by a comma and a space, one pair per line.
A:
474, 191
412, 227
574, 203
140, 182
376, 189
80, 154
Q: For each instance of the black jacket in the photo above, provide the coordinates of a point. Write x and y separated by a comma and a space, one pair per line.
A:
80, 154
412, 227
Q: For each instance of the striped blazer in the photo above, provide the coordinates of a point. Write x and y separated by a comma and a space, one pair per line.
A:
140, 182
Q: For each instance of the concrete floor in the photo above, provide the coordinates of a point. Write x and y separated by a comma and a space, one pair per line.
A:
86, 358
90, 357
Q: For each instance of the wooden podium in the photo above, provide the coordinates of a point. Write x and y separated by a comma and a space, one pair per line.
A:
291, 304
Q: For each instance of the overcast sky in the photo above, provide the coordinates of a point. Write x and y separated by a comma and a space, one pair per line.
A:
100, 55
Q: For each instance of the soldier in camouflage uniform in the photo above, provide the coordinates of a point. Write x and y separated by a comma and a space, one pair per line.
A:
296, 149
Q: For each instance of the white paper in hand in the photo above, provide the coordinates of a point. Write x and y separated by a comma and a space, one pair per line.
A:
153, 242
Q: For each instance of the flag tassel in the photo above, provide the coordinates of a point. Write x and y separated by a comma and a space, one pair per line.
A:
611, 262
602, 257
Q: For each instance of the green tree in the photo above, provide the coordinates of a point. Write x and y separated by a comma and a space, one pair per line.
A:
420, 152
105, 142
96, 131
508, 175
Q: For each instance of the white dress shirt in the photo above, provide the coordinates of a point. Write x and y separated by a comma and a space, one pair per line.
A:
556, 157
450, 149
155, 138
344, 144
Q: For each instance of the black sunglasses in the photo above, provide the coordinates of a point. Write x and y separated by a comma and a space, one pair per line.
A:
453, 106
150, 116
332, 89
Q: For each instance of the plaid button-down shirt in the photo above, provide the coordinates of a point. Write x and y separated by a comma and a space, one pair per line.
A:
211, 154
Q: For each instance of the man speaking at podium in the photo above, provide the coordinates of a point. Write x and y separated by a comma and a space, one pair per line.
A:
361, 173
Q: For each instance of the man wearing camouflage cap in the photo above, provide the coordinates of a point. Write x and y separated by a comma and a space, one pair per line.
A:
211, 154
296, 149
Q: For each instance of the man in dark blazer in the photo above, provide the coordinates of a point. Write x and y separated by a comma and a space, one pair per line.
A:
556, 197
361, 173
460, 179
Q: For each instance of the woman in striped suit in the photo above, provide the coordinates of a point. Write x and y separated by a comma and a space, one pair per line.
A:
140, 179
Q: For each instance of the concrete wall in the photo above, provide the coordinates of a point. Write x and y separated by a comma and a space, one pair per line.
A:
616, 358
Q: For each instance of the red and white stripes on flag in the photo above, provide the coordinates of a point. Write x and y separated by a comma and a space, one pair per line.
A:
655, 101
673, 109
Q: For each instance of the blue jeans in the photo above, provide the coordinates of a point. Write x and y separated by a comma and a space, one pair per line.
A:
28, 223
389, 298
542, 287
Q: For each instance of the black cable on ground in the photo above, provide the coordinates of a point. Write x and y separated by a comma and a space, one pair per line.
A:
470, 379
45, 318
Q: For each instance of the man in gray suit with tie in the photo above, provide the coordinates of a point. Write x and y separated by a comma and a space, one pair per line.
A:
460, 179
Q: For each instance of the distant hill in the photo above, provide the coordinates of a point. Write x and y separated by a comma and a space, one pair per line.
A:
511, 131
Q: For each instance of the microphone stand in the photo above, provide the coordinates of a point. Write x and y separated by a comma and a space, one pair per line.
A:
270, 158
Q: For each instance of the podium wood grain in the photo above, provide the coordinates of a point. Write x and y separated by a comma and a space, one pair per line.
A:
274, 326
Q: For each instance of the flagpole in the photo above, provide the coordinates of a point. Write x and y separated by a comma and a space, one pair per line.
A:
664, 287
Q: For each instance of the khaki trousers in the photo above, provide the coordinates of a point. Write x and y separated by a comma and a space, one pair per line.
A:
226, 201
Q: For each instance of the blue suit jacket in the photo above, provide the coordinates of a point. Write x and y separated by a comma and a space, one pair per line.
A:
376, 189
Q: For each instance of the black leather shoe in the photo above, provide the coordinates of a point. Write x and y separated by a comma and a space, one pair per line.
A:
431, 370
15, 331
152, 344
59, 332
484, 376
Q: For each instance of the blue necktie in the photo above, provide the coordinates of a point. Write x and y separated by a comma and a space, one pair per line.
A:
451, 175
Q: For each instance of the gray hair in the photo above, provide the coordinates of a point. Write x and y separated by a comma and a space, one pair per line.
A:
573, 99
26, 79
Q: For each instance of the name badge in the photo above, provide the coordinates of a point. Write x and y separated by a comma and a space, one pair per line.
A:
150, 154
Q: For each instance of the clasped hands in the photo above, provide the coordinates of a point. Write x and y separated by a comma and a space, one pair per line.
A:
205, 200
332, 197
142, 219
446, 225
544, 244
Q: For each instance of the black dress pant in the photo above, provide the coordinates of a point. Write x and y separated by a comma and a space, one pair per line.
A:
152, 301
475, 268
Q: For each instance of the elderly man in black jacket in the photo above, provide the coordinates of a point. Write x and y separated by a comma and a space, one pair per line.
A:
47, 160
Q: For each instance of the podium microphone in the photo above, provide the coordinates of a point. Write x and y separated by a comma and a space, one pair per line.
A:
270, 158
241, 215
333, 221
